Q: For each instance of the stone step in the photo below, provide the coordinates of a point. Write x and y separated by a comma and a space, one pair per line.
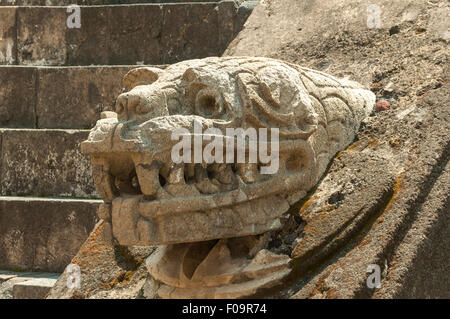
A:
57, 97
43, 234
118, 35
26, 285
34, 288
45, 163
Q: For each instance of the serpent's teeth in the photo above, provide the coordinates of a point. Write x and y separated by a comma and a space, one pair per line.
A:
182, 190
205, 186
135, 182
248, 172
162, 194
105, 182
226, 175
189, 172
200, 173
165, 170
216, 167
149, 178
176, 174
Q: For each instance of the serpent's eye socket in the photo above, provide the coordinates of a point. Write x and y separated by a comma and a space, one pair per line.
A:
207, 103
142, 109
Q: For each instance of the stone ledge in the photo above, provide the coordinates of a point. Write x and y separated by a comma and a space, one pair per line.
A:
57, 97
43, 234
26, 285
54, 168
154, 33
34, 288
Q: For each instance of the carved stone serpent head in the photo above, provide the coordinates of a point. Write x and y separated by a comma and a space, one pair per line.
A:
208, 218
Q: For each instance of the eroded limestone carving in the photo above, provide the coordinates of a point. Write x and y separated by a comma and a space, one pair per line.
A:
210, 220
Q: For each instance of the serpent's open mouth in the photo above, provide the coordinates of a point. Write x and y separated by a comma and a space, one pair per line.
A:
167, 202
209, 221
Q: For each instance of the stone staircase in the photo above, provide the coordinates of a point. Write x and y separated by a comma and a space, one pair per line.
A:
55, 82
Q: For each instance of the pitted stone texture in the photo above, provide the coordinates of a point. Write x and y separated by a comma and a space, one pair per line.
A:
317, 115
45, 163
406, 240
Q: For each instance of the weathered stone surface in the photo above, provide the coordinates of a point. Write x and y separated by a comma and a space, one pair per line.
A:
8, 45
342, 204
107, 271
185, 271
41, 36
89, 44
34, 288
57, 97
17, 97
138, 41
74, 97
41, 234
419, 266
232, 17
45, 163
408, 237
10, 279
152, 34
195, 33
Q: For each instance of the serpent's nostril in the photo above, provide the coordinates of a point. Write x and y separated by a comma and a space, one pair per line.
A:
133, 101
121, 104
127, 102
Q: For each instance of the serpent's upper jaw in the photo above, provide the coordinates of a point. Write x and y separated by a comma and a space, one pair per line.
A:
157, 199
134, 164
